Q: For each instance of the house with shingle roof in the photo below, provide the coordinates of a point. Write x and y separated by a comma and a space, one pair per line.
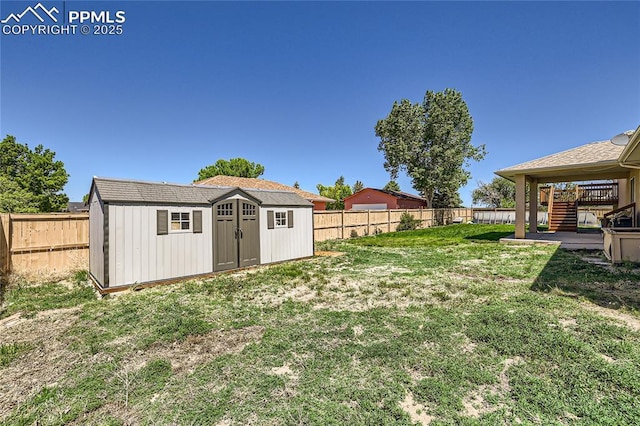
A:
382, 199
319, 202
596, 161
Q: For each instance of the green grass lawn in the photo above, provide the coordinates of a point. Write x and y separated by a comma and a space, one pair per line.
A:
436, 326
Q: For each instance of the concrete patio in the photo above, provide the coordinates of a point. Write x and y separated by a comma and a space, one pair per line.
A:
566, 240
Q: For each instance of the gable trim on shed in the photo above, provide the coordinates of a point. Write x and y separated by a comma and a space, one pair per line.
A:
235, 192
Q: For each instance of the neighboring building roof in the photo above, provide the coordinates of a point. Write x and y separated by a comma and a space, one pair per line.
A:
397, 194
76, 207
595, 158
255, 183
130, 191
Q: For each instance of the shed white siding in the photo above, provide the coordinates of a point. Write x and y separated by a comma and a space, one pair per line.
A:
137, 254
96, 239
279, 244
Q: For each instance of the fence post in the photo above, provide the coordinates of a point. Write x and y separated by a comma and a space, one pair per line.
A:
389, 220
342, 222
368, 222
5, 249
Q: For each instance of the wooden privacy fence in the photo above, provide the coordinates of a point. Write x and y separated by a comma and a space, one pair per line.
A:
340, 224
43, 243
59, 243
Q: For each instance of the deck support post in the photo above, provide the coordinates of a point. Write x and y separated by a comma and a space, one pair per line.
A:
521, 184
624, 197
533, 205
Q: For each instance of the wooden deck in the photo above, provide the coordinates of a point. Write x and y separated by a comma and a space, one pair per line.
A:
592, 194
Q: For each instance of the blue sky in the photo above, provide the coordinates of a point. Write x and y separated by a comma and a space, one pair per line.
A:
299, 87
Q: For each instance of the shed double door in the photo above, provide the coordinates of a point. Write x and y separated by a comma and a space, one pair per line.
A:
236, 234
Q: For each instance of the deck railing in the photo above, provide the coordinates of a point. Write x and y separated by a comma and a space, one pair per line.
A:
591, 194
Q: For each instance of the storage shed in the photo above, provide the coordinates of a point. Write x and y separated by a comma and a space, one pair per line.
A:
148, 232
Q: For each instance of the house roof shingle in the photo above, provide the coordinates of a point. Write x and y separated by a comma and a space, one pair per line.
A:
255, 183
120, 190
397, 194
592, 157
76, 207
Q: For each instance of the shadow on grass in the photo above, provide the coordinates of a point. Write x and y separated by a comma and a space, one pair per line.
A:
569, 275
3, 286
488, 236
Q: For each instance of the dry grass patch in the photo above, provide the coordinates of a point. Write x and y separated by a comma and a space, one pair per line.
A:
188, 354
628, 320
475, 402
45, 365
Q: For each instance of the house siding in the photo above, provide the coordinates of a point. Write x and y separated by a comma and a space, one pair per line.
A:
279, 244
635, 197
371, 196
319, 205
410, 204
138, 254
376, 198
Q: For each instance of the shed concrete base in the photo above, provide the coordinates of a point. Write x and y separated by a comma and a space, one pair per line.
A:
566, 240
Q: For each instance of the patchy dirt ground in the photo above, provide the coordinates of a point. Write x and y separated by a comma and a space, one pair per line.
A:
50, 359
195, 350
625, 319
475, 403
44, 365
417, 412
361, 294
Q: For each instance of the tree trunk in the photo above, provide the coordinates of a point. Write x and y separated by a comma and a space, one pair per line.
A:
428, 195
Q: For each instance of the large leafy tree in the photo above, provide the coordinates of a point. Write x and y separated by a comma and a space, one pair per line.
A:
235, 167
431, 142
338, 192
500, 192
392, 185
446, 200
30, 180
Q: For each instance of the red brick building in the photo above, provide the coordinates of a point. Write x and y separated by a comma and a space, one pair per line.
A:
380, 199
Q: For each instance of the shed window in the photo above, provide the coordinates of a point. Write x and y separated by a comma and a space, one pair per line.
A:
197, 221
281, 219
225, 209
180, 221
162, 219
248, 209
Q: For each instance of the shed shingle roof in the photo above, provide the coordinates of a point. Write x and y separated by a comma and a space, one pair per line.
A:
242, 182
120, 190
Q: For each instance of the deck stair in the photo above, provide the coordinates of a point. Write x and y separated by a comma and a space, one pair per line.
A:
564, 216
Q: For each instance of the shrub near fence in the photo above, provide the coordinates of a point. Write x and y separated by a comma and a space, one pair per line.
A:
340, 224
43, 243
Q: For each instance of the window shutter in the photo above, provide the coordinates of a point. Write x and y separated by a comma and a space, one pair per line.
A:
290, 218
162, 225
197, 221
270, 221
